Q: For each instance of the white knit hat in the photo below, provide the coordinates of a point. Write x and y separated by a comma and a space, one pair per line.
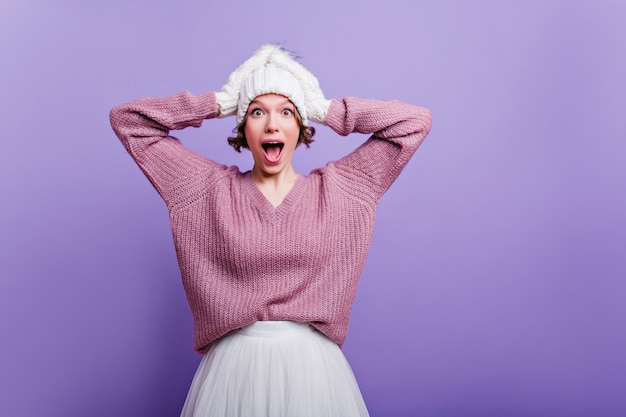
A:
271, 79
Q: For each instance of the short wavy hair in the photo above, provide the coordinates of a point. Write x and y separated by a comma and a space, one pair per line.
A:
240, 141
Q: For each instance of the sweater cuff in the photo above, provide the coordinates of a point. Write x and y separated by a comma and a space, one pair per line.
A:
209, 104
336, 117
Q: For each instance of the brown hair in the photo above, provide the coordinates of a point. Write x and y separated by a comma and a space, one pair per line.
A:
239, 141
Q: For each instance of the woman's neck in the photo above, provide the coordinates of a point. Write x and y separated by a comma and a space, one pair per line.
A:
275, 187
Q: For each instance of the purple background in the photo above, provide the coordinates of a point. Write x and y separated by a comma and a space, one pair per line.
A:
496, 281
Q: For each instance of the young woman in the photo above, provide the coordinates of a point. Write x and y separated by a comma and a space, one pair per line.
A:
270, 259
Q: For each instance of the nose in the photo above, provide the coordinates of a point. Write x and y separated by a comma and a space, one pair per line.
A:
271, 123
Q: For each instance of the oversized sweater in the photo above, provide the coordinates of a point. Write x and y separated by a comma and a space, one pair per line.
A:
242, 259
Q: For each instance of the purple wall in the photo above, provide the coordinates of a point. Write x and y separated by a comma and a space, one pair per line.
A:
496, 282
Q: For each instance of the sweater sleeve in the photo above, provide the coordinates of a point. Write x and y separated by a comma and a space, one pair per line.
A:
143, 127
397, 131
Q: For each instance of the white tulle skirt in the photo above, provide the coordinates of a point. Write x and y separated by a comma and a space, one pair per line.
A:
274, 369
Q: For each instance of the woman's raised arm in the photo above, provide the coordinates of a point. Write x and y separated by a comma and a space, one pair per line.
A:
397, 130
143, 127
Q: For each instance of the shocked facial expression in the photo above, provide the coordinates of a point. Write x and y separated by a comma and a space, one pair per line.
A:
272, 132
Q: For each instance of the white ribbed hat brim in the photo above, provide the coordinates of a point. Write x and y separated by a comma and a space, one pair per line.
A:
271, 79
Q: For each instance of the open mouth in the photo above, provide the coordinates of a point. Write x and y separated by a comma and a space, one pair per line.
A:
273, 150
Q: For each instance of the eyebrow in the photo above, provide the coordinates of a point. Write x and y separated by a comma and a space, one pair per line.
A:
287, 101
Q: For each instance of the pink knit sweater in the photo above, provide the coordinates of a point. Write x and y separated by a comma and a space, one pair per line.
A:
243, 260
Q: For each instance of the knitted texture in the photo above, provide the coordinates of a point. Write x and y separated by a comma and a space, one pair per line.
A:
271, 69
271, 79
228, 97
242, 259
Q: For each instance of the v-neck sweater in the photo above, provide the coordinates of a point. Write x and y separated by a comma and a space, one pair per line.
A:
242, 259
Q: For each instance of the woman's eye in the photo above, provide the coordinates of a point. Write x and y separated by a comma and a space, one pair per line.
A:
256, 112
287, 112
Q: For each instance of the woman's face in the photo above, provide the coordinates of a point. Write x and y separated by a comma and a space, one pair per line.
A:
272, 132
